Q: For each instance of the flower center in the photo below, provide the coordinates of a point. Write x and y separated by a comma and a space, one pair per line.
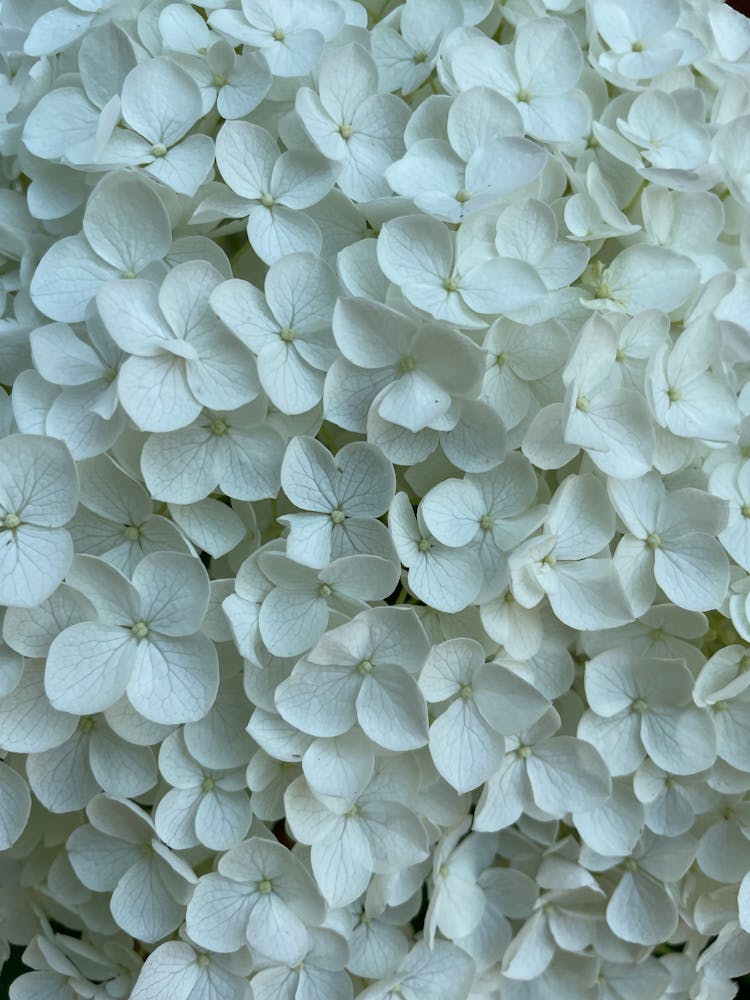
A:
278, 34
582, 404
287, 334
325, 590
267, 200
86, 724
419, 57
265, 886
159, 149
674, 395
524, 752
523, 96
364, 667
11, 521
346, 131
132, 532
203, 960
219, 80
466, 691
207, 785
139, 631
639, 706
486, 522
451, 284
219, 427
338, 516
424, 545
463, 196
653, 540
408, 364
745, 510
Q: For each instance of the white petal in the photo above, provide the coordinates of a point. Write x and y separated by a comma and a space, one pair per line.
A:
641, 910
88, 667
465, 749
15, 806
174, 591
566, 774
174, 680
217, 913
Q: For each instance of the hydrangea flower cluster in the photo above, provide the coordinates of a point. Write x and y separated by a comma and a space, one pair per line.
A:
375, 499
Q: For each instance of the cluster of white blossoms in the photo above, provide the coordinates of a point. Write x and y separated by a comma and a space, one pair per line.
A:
375, 499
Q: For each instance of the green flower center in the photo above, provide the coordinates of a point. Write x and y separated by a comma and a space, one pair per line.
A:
139, 631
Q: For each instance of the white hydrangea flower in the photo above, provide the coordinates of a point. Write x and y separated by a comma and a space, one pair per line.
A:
117, 852
146, 641
643, 40
445, 578
261, 896
662, 546
484, 160
426, 260
126, 231
289, 35
344, 497
364, 672
295, 613
273, 188
287, 327
156, 130
117, 522
351, 122
373, 832
537, 73
235, 84
180, 971
320, 975
482, 702
234, 450
489, 512
204, 805
181, 356
551, 775
584, 591
411, 373
642, 909
644, 706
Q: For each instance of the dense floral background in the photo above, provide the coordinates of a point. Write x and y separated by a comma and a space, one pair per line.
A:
374, 499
